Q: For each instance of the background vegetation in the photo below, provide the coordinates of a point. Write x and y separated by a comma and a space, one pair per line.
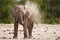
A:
5, 14
50, 9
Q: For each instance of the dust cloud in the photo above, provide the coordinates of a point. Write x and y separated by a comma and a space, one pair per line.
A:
33, 9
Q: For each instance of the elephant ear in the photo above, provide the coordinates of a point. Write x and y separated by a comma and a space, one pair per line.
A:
14, 10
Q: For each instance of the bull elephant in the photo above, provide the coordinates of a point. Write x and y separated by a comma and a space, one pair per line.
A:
22, 18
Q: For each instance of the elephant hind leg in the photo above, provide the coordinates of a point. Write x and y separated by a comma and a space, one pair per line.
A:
25, 32
15, 29
30, 28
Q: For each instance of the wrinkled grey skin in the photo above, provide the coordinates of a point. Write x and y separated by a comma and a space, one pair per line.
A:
22, 19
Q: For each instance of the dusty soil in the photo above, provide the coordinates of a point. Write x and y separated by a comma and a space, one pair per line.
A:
40, 32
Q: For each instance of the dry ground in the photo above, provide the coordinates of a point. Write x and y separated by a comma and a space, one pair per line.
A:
40, 32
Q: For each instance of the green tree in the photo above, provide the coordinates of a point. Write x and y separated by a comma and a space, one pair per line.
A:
5, 14
22, 2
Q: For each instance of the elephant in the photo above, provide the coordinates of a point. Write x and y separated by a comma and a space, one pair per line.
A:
23, 18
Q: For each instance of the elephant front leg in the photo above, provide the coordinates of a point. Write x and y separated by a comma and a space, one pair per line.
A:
30, 28
15, 29
25, 32
25, 28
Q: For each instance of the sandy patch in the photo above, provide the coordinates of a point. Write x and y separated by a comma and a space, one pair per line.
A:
40, 32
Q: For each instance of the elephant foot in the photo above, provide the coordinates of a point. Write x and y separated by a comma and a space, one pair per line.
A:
29, 37
25, 38
14, 37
